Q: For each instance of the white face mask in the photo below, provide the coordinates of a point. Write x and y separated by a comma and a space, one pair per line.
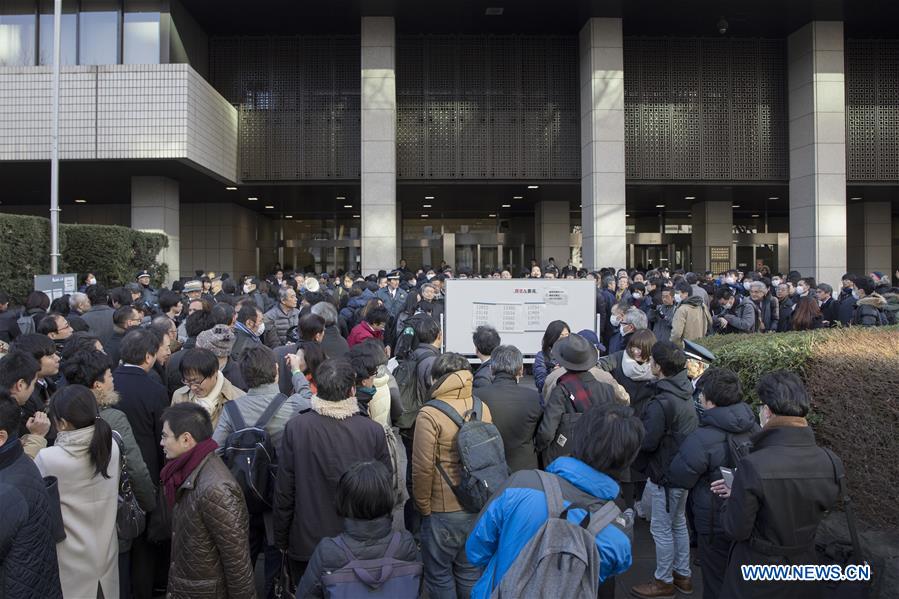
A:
246, 288
855, 293
92, 281
775, 283
747, 285
801, 290
615, 320
622, 330
730, 280
636, 295
678, 298
261, 329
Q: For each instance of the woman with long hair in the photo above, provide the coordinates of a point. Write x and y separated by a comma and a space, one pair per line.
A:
86, 464
807, 315
543, 361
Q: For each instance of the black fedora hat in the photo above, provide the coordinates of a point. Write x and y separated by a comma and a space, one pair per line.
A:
574, 353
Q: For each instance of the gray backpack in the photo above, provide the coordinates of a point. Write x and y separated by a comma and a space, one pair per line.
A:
561, 559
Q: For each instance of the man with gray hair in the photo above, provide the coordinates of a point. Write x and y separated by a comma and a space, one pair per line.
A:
281, 318
515, 408
78, 303
633, 320
766, 304
334, 345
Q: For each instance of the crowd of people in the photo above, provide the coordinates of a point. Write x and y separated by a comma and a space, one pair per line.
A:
161, 441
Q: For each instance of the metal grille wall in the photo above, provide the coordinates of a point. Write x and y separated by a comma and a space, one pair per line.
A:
487, 106
705, 109
872, 110
298, 101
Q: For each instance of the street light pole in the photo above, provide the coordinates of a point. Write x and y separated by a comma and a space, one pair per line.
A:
54, 142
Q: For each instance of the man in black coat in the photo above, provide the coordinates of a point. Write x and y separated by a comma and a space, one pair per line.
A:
830, 308
28, 566
781, 492
485, 339
247, 330
515, 409
698, 461
318, 446
668, 418
142, 400
333, 343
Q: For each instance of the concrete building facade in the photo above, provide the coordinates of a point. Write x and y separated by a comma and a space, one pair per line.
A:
327, 137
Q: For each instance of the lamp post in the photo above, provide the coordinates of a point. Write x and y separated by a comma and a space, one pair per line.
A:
54, 142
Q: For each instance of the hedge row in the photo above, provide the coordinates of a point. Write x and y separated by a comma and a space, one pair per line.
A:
114, 254
852, 376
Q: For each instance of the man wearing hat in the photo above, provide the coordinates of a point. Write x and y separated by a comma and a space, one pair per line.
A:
149, 295
393, 298
575, 392
220, 341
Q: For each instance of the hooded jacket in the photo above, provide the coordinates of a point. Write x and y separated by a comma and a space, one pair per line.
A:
691, 322
741, 318
518, 509
868, 311
701, 455
354, 305
668, 418
435, 441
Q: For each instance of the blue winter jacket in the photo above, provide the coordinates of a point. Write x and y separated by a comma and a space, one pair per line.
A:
518, 510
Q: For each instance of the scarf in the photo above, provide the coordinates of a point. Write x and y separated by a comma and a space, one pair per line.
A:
211, 401
242, 327
176, 471
574, 388
635, 371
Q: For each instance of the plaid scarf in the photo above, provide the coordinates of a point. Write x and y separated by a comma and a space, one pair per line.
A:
574, 388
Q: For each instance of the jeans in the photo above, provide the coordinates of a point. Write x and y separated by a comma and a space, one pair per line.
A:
448, 574
714, 550
669, 531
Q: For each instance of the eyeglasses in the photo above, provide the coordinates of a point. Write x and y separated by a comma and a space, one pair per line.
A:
194, 384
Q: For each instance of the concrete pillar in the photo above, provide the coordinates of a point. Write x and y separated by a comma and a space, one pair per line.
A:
817, 106
869, 237
713, 227
156, 208
380, 242
552, 232
602, 143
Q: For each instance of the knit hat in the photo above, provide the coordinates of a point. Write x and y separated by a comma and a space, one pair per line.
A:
219, 340
312, 285
192, 286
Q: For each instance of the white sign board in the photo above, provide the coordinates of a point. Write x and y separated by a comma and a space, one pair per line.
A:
56, 286
519, 309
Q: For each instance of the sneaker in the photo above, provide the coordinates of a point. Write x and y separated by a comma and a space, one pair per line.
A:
684, 584
655, 589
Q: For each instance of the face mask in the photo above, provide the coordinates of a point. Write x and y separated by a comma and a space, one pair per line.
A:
762, 419
801, 290
615, 320
92, 281
729, 305
730, 280
855, 293
246, 288
747, 285
621, 330
261, 330
678, 298
775, 282
636, 295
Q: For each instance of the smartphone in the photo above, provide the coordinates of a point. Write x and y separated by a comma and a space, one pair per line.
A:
728, 475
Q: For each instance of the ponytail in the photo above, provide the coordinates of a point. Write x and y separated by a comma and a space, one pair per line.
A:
77, 405
100, 448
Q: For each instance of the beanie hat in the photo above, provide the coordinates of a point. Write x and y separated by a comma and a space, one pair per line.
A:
219, 340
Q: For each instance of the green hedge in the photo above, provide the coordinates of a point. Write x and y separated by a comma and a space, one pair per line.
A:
114, 254
852, 376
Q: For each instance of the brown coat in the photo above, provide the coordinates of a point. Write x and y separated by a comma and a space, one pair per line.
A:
210, 537
434, 440
691, 321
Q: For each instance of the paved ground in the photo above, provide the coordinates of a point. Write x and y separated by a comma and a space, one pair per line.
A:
645, 564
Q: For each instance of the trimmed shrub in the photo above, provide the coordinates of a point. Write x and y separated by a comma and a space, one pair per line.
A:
114, 254
852, 376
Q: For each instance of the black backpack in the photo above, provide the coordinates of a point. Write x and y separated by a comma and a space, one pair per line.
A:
481, 452
739, 445
250, 455
412, 393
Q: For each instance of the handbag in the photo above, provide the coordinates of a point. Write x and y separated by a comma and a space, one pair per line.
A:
159, 522
130, 518
57, 528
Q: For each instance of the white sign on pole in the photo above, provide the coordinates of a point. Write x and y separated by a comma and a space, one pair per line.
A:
519, 309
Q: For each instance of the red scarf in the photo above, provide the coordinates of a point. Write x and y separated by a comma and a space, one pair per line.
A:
176, 471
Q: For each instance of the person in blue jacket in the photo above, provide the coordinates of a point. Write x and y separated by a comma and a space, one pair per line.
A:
606, 442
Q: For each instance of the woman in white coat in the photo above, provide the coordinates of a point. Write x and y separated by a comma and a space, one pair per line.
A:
85, 461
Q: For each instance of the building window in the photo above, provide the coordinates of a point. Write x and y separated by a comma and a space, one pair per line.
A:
68, 53
98, 32
18, 27
141, 32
